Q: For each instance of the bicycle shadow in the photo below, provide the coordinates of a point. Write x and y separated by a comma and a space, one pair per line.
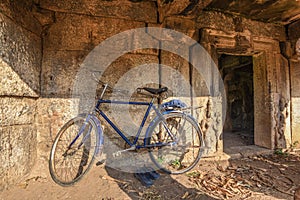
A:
121, 169
166, 187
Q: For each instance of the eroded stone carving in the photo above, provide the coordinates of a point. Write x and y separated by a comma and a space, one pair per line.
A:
211, 125
281, 114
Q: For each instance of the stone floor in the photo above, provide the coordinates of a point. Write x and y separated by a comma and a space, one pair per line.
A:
241, 144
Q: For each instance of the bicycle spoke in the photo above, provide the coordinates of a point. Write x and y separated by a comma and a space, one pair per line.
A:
180, 144
69, 163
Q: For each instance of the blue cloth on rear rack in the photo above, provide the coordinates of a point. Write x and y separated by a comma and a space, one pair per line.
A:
173, 104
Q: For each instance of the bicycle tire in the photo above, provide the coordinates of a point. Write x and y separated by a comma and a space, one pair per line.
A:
176, 158
76, 162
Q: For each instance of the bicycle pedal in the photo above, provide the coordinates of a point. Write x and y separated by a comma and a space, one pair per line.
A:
117, 154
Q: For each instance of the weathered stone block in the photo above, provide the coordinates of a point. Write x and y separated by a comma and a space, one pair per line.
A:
270, 30
203, 72
215, 20
295, 79
21, 50
20, 12
17, 111
227, 23
175, 74
132, 70
144, 42
171, 8
12, 84
45, 17
59, 71
138, 11
81, 32
52, 114
18, 152
182, 24
180, 8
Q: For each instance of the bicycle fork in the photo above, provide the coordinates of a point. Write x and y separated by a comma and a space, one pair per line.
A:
87, 133
81, 130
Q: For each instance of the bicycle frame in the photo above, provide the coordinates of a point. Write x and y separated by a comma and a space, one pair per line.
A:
120, 133
150, 106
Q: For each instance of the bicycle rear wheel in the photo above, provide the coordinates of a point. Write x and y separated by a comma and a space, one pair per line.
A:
72, 154
179, 142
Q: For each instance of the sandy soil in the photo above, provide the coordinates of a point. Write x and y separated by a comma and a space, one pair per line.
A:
258, 177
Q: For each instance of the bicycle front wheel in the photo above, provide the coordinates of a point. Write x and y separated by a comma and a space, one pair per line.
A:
73, 151
177, 140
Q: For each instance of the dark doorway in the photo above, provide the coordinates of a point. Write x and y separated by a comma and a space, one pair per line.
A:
237, 73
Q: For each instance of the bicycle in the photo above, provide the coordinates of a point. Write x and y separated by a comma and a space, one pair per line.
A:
173, 138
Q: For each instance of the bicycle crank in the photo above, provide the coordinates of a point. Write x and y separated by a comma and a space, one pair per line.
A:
118, 153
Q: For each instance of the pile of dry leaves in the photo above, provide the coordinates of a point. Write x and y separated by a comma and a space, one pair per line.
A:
267, 175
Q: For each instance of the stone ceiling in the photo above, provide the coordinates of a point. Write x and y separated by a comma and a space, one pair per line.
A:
278, 11
274, 11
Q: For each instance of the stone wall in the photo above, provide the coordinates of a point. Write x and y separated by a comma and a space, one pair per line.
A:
20, 61
73, 29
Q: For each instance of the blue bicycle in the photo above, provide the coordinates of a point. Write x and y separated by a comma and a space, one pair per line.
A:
173, 138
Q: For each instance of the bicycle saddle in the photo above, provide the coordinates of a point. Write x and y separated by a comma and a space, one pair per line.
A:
156, 91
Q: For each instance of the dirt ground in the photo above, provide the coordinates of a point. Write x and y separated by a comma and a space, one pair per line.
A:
257, 177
